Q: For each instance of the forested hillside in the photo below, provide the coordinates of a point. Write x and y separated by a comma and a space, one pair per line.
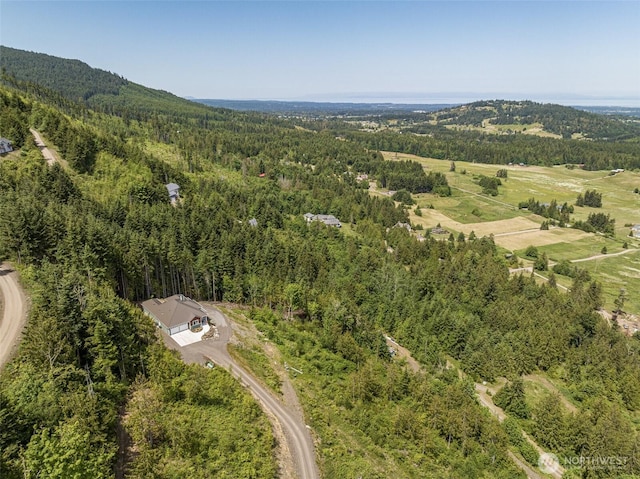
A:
498, 132
560, 120
96, 233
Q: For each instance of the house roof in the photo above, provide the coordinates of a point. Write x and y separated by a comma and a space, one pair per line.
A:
174, 310
172, 188
253, 222
328, 220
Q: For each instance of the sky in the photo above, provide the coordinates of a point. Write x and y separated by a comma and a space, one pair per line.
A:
575, 52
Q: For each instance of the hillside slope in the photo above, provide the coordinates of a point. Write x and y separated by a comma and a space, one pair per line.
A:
96, 232
93, 87
559, 120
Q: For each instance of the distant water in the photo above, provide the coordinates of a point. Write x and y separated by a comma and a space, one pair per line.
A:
461, 98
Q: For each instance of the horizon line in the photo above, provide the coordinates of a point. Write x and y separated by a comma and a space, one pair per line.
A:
604, 101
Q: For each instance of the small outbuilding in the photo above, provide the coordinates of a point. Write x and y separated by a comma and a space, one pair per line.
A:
176, 313
174, 192
5, 146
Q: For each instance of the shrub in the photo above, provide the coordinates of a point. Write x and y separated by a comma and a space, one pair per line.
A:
403, 196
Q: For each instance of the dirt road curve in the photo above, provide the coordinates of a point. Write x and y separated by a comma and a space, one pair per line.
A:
600, 256
46, 152
298, 437
14, 312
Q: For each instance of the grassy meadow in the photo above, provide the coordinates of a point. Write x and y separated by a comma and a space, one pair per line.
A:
467, 209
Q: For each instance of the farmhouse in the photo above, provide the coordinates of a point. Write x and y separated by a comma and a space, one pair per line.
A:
176, 313
174, 192
635, 231
328, 220
5, 146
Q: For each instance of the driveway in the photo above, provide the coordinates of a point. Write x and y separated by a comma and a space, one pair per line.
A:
296, 432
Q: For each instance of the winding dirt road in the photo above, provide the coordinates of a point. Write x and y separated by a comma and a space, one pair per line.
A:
14, 312
299, 441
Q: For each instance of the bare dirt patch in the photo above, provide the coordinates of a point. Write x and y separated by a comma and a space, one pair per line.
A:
539, 238
431, 218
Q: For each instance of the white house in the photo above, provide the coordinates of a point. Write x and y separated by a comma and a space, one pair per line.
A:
176, 313
635, 231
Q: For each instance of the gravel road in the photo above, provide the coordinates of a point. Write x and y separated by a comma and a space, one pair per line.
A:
14, 312
298, 436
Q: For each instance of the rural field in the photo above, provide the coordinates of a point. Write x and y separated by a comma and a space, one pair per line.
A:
468, 209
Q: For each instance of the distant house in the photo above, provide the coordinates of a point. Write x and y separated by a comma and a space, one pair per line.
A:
5, 146
328, 220
635, 231
174, 192
176, 313
362, 177
253, 222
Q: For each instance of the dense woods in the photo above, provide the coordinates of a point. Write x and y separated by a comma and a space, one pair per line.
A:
95, 235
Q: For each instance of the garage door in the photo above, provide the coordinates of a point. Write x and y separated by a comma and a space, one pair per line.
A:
182, 327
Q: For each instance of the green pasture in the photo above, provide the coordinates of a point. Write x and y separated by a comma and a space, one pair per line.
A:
468, 205
582, 248
618, 272
523, 182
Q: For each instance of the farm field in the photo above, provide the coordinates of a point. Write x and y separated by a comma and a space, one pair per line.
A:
616, 272
514, 230
590, 245
542, 183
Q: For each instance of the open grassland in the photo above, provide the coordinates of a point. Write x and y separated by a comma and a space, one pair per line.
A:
588, 246
536, 129
538, 385
468, 206
468, 209
614, 273
541, 238
523, 182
